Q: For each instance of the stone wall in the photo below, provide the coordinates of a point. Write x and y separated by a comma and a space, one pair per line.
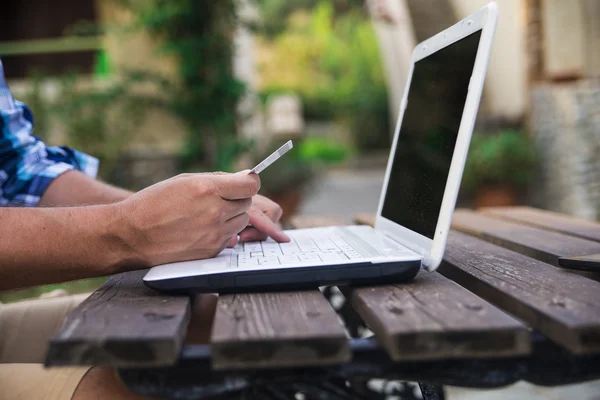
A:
565, 122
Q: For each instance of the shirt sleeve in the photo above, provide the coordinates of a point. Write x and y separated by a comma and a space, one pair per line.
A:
27, 164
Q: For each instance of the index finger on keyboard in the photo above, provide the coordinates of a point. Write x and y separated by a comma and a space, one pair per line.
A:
264, 224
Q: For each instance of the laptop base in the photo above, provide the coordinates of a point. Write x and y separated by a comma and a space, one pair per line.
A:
282, 279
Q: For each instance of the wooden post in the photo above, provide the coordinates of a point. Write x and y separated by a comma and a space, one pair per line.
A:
534, 41
534, 53
591, 26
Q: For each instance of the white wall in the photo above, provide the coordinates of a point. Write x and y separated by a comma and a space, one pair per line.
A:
396, 41
505, 90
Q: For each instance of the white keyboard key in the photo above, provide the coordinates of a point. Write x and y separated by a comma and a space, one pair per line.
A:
353, 255
274, 253
290, 250
309, 257
289, 260
332, 257
326, 245
252, 247
309, 249
270, 246
268, 261
256, 254
248, 263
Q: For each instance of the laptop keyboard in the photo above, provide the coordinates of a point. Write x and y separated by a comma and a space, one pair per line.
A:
300, 250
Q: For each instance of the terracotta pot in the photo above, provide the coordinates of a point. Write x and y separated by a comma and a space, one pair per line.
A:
496, 196
289, 202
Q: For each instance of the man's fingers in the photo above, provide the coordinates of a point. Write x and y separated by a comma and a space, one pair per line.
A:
251, 234
235, 225
233, 241
264, 224
270, 208
237, 186
233, 208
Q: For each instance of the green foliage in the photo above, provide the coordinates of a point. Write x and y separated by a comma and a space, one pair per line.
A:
334, 66
35, 100
297, 169
275, 13
199, 35
504, 158
322, 151
205, 95
100, 119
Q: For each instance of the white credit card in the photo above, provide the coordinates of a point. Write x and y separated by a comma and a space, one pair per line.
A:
272, 158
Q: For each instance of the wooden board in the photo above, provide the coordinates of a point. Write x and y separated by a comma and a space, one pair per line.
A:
276, 330
433, 317
538, 243
560, 304
122, 324
547, 220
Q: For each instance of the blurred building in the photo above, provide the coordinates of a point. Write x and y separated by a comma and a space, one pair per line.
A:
543, 75
400, 24
563, 48
63, 35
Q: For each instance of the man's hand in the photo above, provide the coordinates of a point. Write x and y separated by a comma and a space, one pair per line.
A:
190, 216
264, 215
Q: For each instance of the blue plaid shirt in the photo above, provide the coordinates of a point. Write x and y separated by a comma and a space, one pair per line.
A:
27, 165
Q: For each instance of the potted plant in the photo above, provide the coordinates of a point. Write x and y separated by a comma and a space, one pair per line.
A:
498, 168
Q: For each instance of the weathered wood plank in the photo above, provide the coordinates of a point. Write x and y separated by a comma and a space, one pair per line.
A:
277, 329
433, 317
547, 220
305, 221
365, 219
560, 304
122, 324
538, 243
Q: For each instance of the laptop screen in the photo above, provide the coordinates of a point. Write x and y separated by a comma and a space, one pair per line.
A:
436, 99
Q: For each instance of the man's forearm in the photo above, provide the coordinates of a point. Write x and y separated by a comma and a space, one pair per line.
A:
47, 245
73, 188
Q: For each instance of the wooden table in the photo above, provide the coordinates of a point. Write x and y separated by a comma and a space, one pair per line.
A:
498, 311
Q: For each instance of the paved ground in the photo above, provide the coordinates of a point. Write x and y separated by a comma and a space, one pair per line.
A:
344, 192
347, 192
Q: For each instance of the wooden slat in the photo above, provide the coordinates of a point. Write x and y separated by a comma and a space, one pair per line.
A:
365, 219
538, 243
122, 324
277, 329
51, 45
547, 220
562, 305
433, 317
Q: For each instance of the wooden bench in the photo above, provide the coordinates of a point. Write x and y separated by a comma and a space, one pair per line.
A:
499, 282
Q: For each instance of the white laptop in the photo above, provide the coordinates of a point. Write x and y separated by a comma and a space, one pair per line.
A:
419, 193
